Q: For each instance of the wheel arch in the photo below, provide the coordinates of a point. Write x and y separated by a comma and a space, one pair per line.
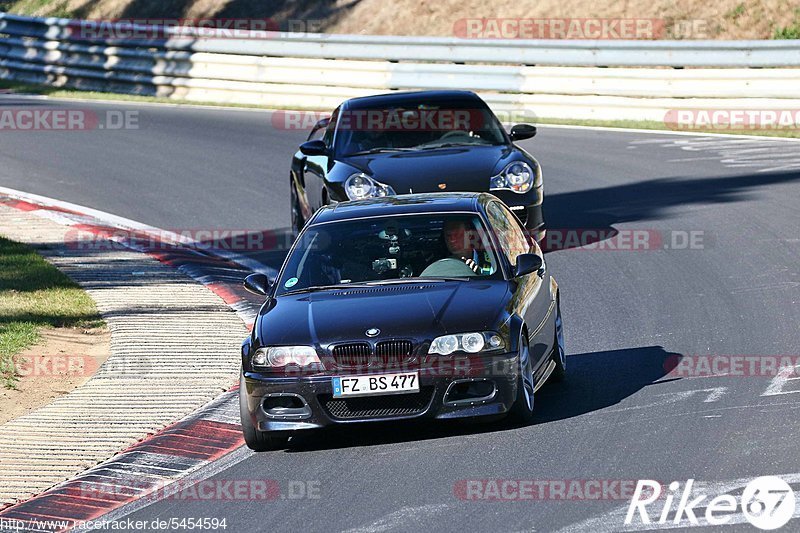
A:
516, 328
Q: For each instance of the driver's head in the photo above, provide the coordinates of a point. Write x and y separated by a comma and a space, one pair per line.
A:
458, 237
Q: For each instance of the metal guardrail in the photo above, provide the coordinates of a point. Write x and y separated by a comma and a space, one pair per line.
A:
564, 79
780, 53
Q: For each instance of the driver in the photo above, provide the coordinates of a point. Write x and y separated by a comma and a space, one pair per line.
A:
460, 242
368, 139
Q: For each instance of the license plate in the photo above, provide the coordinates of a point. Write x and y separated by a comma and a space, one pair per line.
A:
375, 384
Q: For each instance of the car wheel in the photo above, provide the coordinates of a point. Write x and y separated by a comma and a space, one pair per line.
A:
559, 351
297, 214
522, 410
259, 441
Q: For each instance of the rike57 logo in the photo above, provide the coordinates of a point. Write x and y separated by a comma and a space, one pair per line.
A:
767, 502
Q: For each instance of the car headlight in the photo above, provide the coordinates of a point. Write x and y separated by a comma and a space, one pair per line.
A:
517, 176
467, 342
359, 186
281, 356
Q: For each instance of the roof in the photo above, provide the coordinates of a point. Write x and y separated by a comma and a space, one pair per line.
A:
412, 98
405, 204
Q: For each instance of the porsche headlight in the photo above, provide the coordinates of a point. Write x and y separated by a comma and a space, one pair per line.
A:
467, 342
360, 186
517, 176
281, 356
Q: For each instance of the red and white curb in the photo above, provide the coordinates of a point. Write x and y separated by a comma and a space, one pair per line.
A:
145, 470
189, 259
178, 450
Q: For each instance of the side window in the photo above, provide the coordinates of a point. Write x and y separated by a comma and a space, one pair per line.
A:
509, 234
316, 134
328, 136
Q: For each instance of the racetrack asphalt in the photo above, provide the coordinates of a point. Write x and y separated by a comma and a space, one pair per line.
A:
628, 313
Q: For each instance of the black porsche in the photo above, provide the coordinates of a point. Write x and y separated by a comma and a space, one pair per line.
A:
415, 142
413, 306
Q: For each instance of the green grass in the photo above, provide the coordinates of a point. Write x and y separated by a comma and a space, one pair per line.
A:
32, 7
637, 124
35, 295
789, 32
736, 12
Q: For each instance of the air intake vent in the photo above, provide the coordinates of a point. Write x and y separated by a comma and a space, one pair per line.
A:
388, 351
391, 406
352, 355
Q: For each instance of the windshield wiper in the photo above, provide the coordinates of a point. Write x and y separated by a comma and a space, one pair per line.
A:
451, 278
315, 288
380, 151
450, 145
392, 281
419, 279
368, 284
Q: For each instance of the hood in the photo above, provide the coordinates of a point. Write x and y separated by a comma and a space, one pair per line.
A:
418, 311
462, 168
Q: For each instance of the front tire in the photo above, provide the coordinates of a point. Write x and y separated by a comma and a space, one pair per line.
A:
522, 410
259, 441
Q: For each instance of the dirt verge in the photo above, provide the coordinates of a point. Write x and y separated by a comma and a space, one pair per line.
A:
64, 360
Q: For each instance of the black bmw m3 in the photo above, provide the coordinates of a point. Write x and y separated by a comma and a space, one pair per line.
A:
416, 142
431, 306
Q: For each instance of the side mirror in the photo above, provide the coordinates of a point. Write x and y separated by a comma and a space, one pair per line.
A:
521, 132
527, 264
315, 147
257, 284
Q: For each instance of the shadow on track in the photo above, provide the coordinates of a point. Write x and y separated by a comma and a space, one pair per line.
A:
595, 381
601, 208
602, 379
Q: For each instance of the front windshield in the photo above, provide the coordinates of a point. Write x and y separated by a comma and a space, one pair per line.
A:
390, 249
416, 127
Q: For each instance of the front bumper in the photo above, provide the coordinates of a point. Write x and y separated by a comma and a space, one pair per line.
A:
439, 398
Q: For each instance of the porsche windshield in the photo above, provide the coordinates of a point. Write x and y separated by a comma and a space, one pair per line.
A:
385, 249
416, 127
